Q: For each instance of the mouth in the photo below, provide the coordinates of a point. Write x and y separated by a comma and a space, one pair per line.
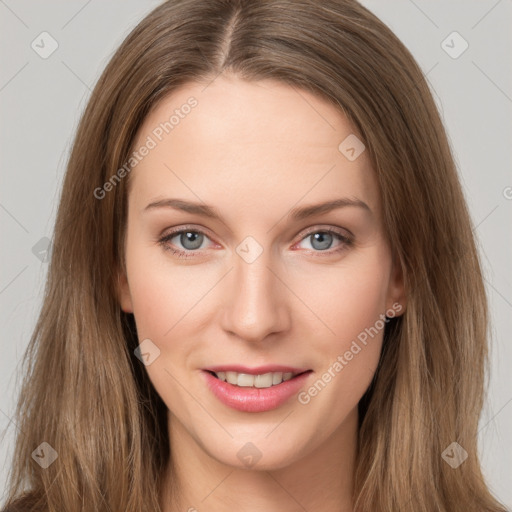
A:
255, 389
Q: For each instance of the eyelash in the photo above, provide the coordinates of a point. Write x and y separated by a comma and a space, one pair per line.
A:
164, 242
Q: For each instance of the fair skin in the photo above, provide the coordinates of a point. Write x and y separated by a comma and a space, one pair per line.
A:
254, 151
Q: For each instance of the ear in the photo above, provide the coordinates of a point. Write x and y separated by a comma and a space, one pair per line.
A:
396, 297
123, 292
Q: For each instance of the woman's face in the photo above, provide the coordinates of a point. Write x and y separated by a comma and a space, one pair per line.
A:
259, 284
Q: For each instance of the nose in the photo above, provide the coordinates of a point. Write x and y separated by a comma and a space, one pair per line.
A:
257, 302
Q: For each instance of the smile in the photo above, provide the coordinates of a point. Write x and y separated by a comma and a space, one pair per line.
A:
254, 392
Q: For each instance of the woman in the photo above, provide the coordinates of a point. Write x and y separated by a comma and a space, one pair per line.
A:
191, 351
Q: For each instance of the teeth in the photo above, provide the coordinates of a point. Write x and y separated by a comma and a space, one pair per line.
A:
277, 378
259, 381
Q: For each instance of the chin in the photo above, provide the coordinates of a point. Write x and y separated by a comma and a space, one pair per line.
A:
257, 455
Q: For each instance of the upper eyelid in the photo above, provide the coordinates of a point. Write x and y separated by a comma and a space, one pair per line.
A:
336, 230
173, 232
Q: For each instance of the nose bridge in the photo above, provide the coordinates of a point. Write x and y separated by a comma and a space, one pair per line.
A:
256, 307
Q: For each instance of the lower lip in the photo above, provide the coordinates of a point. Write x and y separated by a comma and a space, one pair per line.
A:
249, 399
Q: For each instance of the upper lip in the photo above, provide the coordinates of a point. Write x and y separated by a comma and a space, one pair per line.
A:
258, 370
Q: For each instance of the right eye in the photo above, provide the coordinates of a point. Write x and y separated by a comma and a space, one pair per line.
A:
190, 239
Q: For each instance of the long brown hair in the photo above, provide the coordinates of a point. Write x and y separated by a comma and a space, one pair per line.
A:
87, 395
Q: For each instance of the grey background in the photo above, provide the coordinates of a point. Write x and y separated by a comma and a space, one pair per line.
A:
41, 101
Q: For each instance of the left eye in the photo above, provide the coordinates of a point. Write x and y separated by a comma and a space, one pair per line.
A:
322, 240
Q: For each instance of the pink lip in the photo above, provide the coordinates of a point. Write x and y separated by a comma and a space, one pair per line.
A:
249, 399
259, 370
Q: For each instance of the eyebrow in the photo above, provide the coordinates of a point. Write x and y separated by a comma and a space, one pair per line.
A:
295, 214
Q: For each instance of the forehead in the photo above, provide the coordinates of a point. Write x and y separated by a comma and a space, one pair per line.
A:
259, 140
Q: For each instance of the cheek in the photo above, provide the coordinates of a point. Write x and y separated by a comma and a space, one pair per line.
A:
350, 298
359, 303
155, 291
351, 305
160, 299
